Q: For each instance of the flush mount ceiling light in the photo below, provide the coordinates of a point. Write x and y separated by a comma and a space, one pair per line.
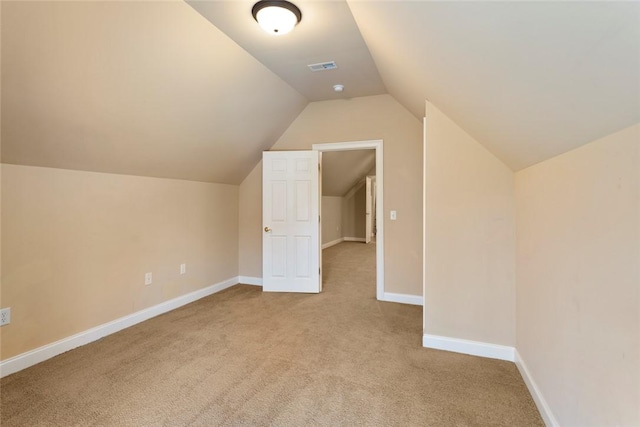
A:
276, 17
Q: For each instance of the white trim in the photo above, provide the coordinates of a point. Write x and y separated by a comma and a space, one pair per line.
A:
377, 145
348, 146
247, 280
475, 348
402, 298
40, 354
541, 403
332, 243
354, 239
424, 219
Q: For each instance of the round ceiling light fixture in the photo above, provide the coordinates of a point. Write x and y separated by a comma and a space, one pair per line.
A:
276, 17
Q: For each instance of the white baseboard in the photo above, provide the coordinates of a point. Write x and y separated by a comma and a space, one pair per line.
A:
247, 280
541, 403
40, 354
475, 348
402, 298
354, 239
332, 243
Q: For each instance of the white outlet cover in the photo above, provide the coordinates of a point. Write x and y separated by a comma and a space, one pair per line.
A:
5, 316
183, 268
148, 278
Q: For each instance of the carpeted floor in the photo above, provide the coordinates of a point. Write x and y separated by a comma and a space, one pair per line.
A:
242, 357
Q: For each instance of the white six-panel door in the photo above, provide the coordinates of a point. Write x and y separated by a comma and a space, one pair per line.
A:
290, 222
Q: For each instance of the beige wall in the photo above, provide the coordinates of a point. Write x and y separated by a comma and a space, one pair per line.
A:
76, 246
357, 119
353, 213
470, 237
2, 304
331, 218
578, 280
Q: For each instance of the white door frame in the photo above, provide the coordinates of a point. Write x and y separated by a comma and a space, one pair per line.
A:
377, 145
368, 214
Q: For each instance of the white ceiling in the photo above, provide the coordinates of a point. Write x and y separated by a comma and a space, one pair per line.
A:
153, 88
327, 32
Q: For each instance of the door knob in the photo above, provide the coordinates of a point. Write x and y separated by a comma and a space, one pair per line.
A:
267, 229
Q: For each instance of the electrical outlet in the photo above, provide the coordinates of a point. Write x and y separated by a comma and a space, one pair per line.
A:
5, 316
394, 215
148, 278
183, 268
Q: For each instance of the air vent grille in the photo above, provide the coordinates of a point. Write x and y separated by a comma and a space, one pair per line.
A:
323, 66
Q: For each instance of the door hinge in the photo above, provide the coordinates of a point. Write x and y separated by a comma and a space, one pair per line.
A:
319, 272
318, 219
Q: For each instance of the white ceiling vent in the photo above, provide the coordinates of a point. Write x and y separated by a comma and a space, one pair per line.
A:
323, 66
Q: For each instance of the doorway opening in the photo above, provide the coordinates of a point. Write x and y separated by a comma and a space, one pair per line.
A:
377, 146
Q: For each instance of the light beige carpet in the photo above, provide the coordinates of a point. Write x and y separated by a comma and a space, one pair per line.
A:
242, 357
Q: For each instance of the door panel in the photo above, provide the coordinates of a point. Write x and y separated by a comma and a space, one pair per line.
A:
291, 230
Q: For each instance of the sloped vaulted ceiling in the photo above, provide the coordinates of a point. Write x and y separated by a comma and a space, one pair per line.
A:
195, 90
141, 88
327, 32
529, 80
